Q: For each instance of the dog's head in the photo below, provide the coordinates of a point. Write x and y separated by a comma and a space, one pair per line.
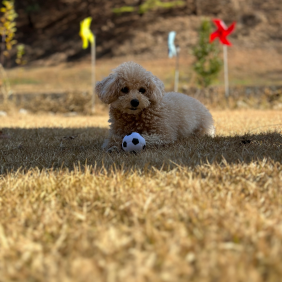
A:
130, 88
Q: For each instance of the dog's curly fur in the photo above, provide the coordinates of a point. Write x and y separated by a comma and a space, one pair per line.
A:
161, 118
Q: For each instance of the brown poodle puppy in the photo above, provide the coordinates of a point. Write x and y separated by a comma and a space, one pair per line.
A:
138, 103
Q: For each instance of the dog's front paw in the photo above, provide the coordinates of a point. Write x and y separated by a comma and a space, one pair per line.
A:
113, 149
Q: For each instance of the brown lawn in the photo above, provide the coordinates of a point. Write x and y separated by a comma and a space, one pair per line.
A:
201, 210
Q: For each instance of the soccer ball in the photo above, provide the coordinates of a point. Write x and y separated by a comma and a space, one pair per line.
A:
133, 142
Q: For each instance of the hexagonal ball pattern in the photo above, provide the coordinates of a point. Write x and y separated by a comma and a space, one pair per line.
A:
133, 142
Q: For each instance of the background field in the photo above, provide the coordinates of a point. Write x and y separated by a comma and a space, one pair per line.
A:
201, 210
247, 67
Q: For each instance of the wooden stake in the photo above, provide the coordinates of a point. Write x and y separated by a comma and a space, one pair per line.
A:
226, 79
176, 76
93, 62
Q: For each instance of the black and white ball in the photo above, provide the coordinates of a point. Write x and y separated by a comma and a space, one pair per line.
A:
133, 142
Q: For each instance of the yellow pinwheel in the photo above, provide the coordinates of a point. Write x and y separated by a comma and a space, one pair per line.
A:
87, 36
85, 33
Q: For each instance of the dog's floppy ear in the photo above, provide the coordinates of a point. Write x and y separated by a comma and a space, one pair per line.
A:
107, 88
158, 90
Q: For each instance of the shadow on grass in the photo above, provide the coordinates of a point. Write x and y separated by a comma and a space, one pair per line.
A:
46, 148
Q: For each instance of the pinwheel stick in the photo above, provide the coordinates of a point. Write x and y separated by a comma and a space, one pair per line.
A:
222, 32
226, 78
87, 36
176, 76
93, 63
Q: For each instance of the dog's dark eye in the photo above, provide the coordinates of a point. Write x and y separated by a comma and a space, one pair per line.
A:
125, 90
142, 90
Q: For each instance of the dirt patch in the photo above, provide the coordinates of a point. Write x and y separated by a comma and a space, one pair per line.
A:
50, 32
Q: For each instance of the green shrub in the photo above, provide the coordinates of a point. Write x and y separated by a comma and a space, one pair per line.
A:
8, 25
207, 64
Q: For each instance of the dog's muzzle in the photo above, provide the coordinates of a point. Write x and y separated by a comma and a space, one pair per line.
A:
134, 103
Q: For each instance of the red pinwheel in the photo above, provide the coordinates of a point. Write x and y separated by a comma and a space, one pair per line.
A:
222, 32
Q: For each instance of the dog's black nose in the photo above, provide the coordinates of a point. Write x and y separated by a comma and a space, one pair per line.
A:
134, 103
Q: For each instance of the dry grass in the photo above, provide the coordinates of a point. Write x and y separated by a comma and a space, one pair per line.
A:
201, 210
67, 87
247, 66
263, 98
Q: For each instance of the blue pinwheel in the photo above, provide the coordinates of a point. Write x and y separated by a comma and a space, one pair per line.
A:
172, 52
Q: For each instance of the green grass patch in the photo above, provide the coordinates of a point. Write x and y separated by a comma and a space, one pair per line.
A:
26, 81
